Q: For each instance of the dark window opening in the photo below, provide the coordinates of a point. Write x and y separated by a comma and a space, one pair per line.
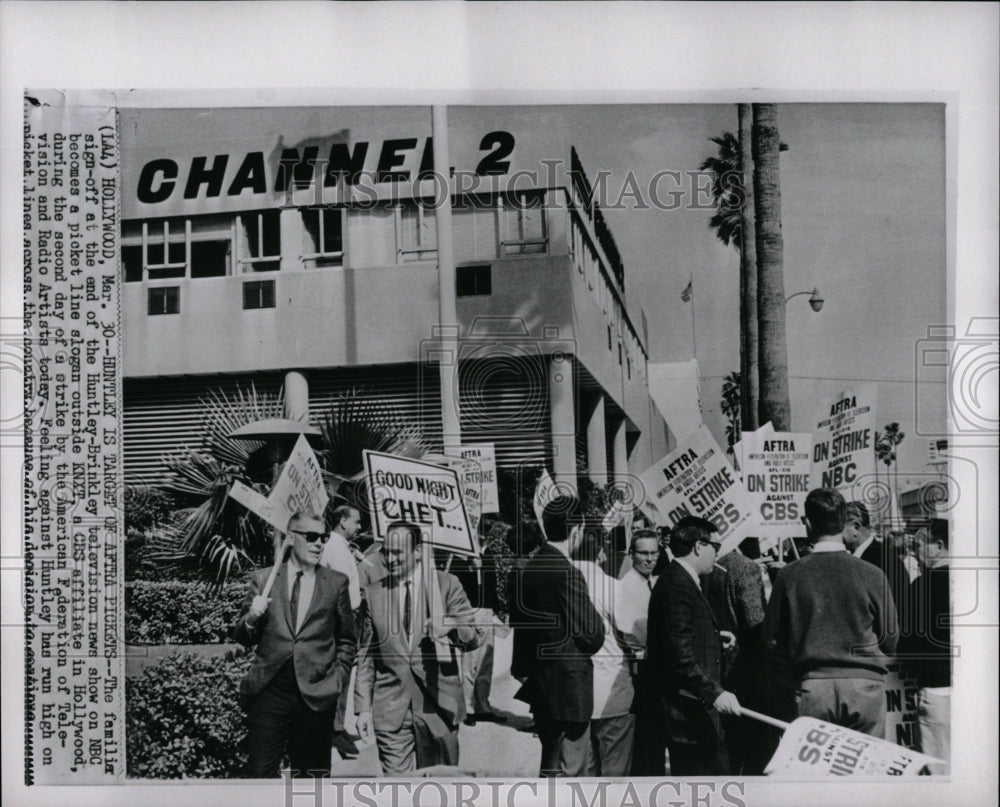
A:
258, 294
210, 258
132, 261
473, 281
163, 300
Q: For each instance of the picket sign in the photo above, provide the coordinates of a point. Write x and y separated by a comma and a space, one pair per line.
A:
545, 492
279, 557
814, 749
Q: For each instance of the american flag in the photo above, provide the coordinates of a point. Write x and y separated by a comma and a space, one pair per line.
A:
686, 294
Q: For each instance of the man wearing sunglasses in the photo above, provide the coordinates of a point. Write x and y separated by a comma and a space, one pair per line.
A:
304, 632
684, 660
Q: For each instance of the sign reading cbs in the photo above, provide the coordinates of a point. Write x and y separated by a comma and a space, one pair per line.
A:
776, 472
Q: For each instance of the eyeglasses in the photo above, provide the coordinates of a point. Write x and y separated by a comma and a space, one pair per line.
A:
312, 537
714, 544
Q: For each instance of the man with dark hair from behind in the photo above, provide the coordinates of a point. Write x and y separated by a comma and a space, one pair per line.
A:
863, 543
556, 631
926, 645
684, 661
833, 624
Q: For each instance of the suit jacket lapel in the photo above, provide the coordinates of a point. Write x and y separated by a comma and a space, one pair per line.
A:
687, 579
280, 590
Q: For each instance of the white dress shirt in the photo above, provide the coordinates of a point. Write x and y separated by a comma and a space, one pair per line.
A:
337, 555
632, 605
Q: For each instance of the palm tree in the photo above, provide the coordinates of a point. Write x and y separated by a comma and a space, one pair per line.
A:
354, 421
731, 408
732, 190
212, 531
772, 351
219, 536
749, 372
885, 451
727, 188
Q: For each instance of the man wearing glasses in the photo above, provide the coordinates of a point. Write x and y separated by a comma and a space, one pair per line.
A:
304, 632
684, 660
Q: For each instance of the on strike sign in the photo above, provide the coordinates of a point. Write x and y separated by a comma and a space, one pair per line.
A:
776, 470
401, 489
813, 749
844, 440
696, 479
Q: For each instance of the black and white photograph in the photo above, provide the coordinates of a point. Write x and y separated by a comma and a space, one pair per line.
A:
426, 446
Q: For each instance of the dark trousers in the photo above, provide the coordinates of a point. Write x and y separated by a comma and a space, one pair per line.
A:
564, 746
611, 746
279, 721
649, 747
699, 759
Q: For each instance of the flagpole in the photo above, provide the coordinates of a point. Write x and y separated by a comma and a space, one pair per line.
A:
694, 338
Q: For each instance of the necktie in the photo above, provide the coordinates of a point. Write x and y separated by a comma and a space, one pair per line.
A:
649, 583
407, 610
294, 600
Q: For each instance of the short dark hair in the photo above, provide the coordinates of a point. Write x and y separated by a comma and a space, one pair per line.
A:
939, 531
341, 512
826, 511
858, 511
689, 531
413, 530
590, 547
640, 535
560, 516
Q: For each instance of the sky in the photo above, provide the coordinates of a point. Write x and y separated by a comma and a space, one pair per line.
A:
863, 219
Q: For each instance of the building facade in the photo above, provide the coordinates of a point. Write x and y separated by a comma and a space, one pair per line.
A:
297, 249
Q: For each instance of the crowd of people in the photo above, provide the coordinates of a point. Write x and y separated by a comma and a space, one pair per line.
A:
645, 669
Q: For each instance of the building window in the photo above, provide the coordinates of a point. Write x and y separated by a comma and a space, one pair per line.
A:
163, 300
258, 294
523, 224
609, 337
165, 249
325, 236
473, 281
260, 239
416, 234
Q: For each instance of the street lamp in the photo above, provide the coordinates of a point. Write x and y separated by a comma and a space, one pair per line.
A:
814, 300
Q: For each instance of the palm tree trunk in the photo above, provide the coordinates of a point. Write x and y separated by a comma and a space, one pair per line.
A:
771, 350
750, 387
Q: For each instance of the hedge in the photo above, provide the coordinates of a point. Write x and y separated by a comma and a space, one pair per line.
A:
183, 718
181, 612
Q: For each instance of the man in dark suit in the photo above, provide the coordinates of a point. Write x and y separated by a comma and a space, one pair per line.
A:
735, 590
684, 659
863, 543
556, 631
304, 632
409, 686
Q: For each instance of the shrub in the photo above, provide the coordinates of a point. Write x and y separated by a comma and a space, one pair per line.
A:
180, 612
183, 718
146, 507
